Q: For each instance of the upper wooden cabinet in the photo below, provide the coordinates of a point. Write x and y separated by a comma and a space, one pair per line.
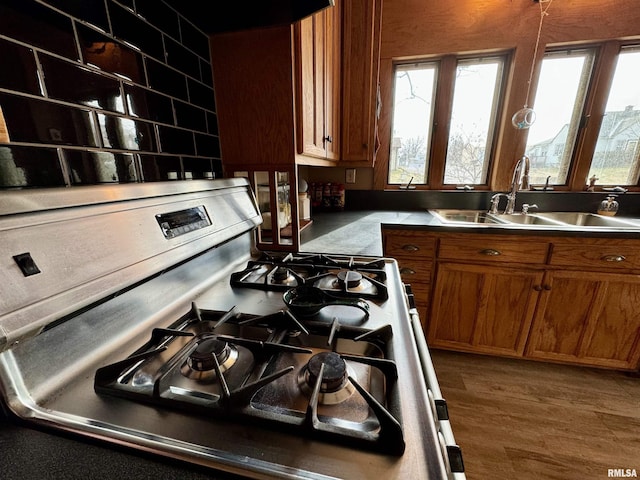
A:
337, 97
253, 75
302, 93
318, 84
360, 80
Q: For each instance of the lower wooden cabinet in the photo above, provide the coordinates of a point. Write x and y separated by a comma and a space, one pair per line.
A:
589, 318
483, 308
529, 297
414, 251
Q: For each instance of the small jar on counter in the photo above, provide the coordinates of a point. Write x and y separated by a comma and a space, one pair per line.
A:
609, 206
337, 196
327, 200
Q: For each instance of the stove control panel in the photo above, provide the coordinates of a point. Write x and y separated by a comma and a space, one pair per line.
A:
178, 223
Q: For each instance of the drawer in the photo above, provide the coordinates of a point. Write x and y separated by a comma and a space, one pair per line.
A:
415, 269
398, 244
493, 249
620, 257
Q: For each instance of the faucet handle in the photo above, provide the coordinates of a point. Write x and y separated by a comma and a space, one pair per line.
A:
526, 207
495, 200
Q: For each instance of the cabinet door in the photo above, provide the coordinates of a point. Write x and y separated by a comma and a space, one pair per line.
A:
484, 309
318, 57
311, 86
361, 61
333, 80
588, 318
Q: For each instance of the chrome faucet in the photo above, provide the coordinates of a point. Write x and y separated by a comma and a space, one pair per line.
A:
495, 200
519, 181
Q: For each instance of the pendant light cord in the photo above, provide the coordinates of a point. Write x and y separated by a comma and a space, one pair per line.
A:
543, 13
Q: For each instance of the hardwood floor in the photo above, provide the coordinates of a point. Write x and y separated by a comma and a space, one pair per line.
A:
526, 420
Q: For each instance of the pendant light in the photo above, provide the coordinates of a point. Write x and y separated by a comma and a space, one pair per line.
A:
525, 117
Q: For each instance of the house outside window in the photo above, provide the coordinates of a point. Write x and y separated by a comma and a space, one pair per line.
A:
580, 137
559, 101
612, 163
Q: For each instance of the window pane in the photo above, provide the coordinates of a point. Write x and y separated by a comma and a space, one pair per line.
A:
472, 121
412, 114
562, 87
617, 155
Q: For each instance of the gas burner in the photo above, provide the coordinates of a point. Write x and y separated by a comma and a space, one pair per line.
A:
332, 382
349, 278
282, 276
201, 363
335, 386
271, 275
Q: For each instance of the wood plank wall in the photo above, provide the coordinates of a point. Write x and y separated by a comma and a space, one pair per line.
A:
422, 28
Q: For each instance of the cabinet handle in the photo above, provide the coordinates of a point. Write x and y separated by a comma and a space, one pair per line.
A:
490, 252
328, 139
410, 248
539, 288
407, 271
613, 258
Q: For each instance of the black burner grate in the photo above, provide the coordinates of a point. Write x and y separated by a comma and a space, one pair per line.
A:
279, 272
262, 383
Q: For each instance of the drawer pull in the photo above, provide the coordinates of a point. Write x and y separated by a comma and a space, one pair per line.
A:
410, 248
407, 271
613, 258
490, 252
537, 288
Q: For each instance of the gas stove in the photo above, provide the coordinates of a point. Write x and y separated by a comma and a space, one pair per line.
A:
329, 381
144, 316
344, 275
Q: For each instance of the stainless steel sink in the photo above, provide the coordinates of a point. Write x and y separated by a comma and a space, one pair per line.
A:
528, 219
583, 219
465, 216
546, 219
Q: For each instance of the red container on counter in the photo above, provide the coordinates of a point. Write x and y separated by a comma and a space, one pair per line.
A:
337, 196
327, 200
327, 197
315, 192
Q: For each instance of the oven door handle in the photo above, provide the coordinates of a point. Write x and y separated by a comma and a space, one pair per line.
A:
452, 451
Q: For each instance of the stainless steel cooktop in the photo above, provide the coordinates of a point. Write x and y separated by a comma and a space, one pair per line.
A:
157, 347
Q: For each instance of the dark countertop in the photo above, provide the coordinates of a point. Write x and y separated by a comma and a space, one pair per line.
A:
358, 232
34, 453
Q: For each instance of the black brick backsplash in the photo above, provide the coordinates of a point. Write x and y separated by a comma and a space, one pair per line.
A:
103, 91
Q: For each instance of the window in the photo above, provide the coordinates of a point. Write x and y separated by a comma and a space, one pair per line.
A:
587, 106
412, 122
616, 160
559, 102
472, 121
458, 152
